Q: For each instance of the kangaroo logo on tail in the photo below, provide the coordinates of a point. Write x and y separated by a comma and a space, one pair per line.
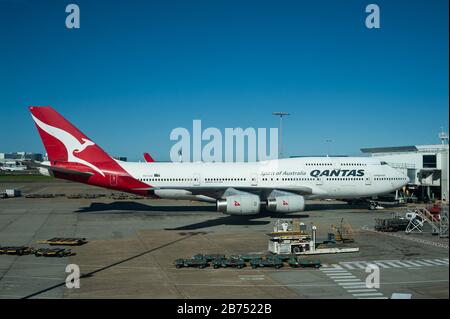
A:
71, 143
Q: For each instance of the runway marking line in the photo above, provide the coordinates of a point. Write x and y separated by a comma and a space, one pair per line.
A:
346, 280
397, 264
302, 285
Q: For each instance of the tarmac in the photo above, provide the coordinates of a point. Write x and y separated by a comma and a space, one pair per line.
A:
133, 244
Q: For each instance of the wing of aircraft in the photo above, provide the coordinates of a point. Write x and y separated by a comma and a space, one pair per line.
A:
222, 192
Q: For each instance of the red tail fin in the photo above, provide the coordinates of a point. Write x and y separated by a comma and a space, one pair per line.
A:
64, 143
148, 158
75, 157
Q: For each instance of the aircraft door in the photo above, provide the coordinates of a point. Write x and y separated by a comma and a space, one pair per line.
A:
368, 180
319, 181
196, 180
336, 163
254, 180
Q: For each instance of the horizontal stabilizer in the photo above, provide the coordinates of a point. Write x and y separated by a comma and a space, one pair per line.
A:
58, 169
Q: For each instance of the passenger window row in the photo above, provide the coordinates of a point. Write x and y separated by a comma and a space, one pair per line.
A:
329, 164
345, 179
290, 179
271, 179
225, 179
189, 179
166, 179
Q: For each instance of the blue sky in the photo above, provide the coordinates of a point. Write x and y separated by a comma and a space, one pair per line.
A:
137, 69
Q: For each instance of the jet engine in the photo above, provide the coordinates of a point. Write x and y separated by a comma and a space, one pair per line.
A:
286, 203
239, 205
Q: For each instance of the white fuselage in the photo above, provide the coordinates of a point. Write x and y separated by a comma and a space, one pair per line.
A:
313, 177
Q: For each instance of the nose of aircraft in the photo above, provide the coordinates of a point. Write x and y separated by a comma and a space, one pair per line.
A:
404, 180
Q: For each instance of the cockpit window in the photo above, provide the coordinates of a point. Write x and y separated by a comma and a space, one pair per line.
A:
383, 163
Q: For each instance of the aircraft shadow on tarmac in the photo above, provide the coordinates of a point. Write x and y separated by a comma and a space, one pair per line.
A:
334, 206
131, 206
124, 207
251, 220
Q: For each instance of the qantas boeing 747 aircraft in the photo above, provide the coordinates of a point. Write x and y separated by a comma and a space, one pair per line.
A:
237, 188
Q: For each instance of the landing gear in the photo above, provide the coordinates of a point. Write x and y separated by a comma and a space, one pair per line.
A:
374, 205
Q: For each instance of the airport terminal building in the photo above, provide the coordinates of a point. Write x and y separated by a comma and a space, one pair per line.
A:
20, 156
425, 165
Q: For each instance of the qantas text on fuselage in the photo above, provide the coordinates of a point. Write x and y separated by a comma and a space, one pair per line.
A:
244, 188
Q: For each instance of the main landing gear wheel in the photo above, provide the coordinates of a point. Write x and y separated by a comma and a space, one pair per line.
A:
373, 205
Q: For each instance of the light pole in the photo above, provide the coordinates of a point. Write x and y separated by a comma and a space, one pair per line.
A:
281, 114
